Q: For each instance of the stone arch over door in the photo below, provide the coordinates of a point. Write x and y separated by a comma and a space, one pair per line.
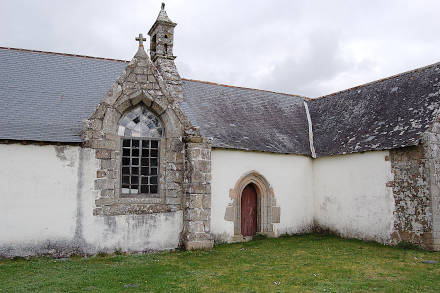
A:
267, 211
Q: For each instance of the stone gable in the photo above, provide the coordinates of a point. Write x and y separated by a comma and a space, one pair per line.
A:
184, 170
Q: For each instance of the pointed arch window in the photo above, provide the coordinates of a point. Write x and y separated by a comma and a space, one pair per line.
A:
141, 131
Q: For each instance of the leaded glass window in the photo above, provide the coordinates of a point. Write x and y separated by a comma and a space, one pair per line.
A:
141, 131
140, 122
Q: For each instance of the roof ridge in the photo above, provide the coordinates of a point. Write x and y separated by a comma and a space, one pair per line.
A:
125, 61
232, 86
62, 54
245, 88
376, 81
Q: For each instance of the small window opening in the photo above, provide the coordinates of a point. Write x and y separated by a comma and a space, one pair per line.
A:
165, 49
153, 44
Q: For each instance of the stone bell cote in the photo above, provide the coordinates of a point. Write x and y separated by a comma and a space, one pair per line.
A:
162, 37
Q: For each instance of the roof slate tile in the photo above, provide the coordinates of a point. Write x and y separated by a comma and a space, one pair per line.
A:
45, 96
386, 114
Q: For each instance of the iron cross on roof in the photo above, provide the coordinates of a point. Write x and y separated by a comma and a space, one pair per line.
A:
141, 39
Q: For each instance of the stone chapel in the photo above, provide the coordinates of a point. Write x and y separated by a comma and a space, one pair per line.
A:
99, 155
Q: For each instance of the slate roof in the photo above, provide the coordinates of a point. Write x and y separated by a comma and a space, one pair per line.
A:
248, 119
45, 96
384, 114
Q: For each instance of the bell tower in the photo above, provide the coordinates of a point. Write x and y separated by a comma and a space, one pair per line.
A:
161, 52
162, 37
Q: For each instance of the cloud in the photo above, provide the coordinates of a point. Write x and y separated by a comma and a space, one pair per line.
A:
303, 47
320, 59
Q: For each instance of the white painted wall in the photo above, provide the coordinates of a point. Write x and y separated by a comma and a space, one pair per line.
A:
37, 192
289, 175
47, 201
351, 197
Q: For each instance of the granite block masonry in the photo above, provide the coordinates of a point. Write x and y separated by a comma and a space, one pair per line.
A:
184, 164
416, 191
197, 183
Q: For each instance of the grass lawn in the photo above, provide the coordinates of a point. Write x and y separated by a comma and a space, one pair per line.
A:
307, 263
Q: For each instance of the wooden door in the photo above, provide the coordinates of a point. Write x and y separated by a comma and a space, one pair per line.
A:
249, 211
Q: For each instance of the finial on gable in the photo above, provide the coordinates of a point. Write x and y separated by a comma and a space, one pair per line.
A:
163, 17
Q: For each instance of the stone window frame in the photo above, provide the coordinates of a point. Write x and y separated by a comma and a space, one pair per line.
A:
152, 105
103, 137
267, 211
135, 104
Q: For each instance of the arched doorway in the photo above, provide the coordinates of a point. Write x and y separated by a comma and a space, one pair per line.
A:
249, 211
267, 212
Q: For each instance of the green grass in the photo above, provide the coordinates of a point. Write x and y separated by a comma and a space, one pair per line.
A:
307, 263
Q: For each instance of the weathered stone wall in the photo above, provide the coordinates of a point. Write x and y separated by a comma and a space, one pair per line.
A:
183, 153
171, 76
197, 212
141, 83
431, 140
412, 213
416, 190
161, 52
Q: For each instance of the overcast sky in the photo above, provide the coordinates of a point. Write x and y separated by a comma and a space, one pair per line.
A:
310, 48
